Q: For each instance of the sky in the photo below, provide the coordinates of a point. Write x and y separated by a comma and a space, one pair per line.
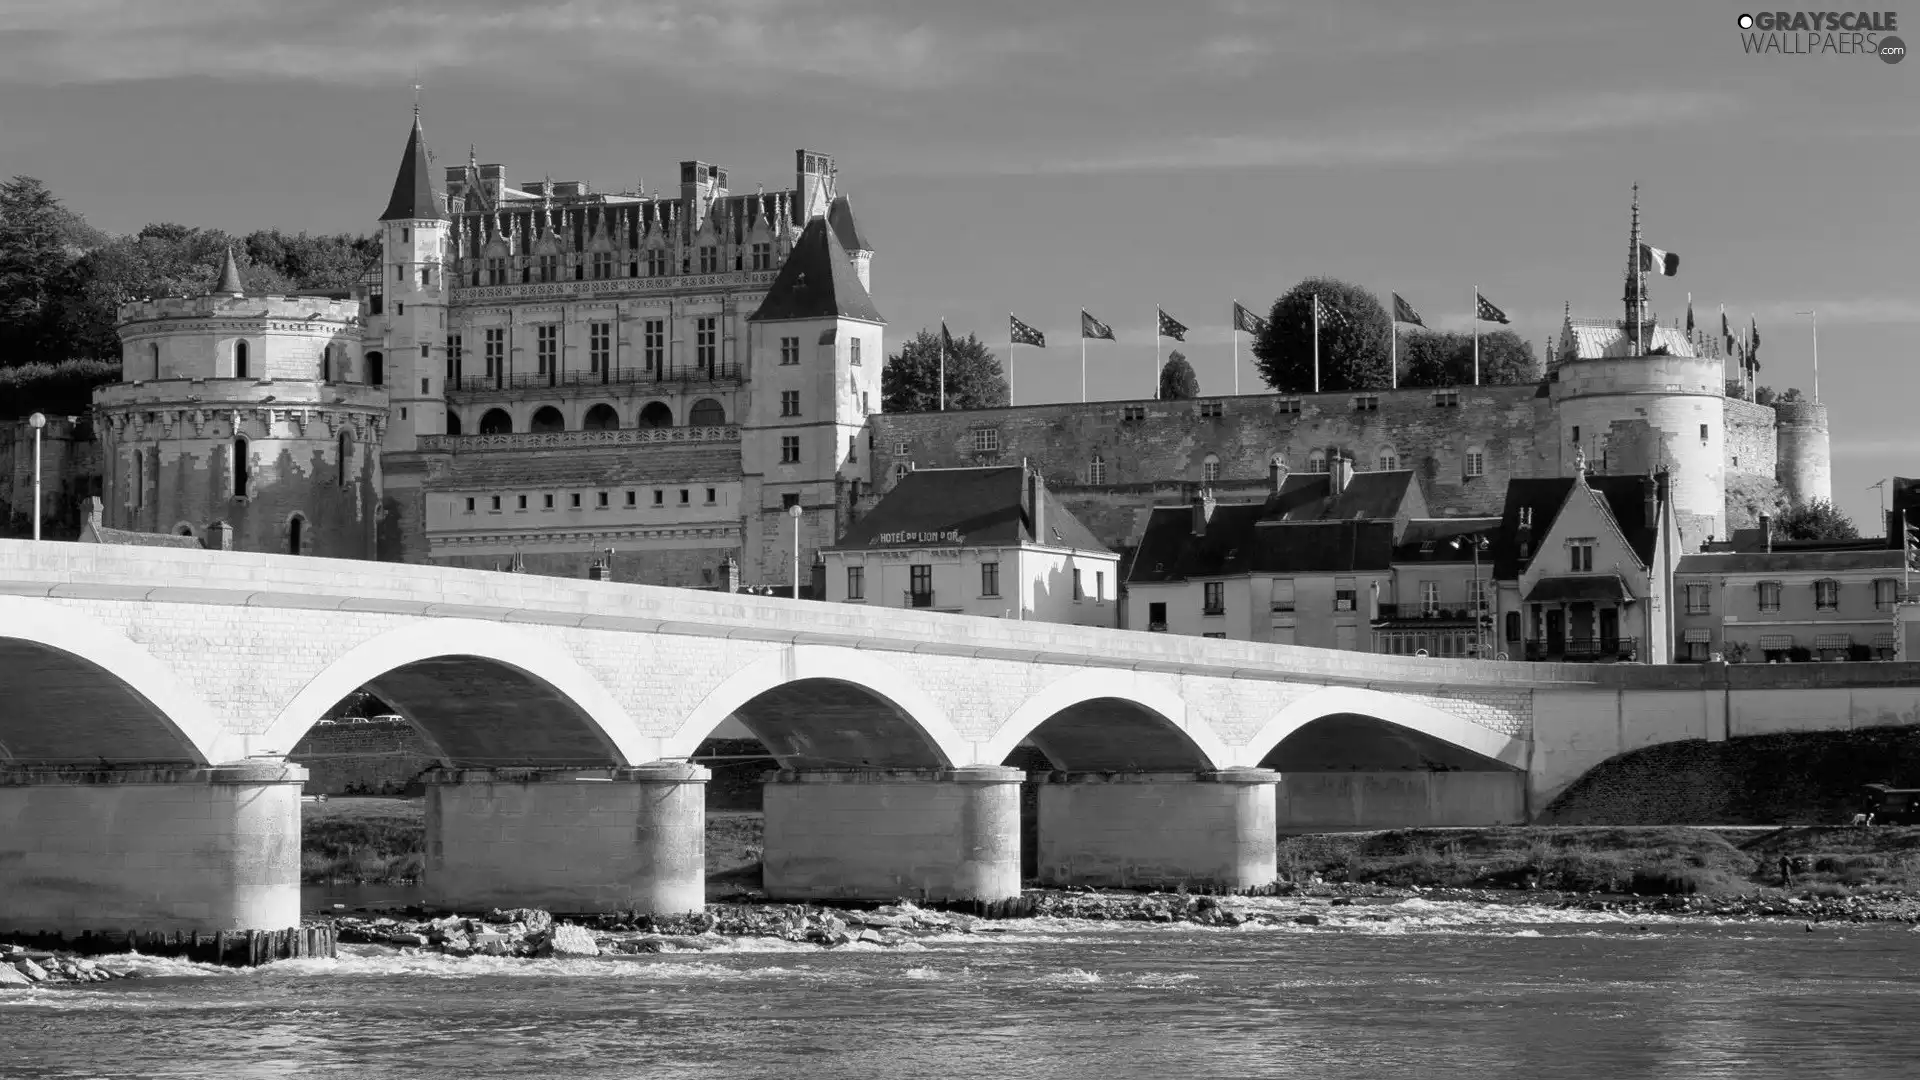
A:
1041, 156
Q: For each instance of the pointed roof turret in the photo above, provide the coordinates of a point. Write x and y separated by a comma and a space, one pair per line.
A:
416, 193
229, 284
817, 281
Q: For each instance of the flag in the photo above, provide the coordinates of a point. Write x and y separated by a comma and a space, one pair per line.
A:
1753, 344
1022, 334
1170, 328
1329, 316
1486, 312
1726, 331
946, 339
1689, 316
1091, 327
1247, 320
1913, 545
1655, 261
1404, 312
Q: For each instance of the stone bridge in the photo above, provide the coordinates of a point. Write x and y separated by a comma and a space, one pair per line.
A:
148, 697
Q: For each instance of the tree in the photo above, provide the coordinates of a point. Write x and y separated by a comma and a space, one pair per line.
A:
1353, 339
36, 279
1766, 395
1434, 358
1177, 380
910, 382
1817, 519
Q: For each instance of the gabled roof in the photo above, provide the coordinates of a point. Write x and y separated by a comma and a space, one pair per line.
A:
846, 228
1626, 497
416, 191
817, 282
987, 507
1623, 497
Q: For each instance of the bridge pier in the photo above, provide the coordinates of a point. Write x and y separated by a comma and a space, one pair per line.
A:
1209, 830
574, 841
150, 848
886, 834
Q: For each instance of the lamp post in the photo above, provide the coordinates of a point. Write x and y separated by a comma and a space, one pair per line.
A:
794, 513
1476, 544
37, 421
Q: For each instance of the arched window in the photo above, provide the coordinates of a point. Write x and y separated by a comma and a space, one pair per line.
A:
1210, 468
496, 422
1097, 470
601, 418
326, 363
296, 534
239, 359
241, 473
1388, 459
153, 353
376, 369
1317, 461
453, 422
901, 468
707, 413
346, 456
656, 415
137, 480
547, 418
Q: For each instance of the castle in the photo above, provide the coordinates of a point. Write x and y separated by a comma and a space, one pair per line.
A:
547, 377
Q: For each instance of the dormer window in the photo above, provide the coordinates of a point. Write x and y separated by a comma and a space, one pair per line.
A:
1287, 405
1133, 412
1446, 399
1366, 403
1212, 410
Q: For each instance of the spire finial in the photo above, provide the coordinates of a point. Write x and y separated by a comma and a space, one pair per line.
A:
416, 99
229, 284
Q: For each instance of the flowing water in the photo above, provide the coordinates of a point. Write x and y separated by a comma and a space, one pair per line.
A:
1414, 989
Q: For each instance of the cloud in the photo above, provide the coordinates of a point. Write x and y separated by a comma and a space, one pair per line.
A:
722, 45
1861, 311
1499, 132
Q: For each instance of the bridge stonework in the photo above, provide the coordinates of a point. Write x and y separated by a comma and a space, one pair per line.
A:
144, 659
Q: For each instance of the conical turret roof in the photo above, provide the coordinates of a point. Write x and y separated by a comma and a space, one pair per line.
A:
416, 194
229, 284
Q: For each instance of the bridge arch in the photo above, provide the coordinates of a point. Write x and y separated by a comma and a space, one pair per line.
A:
78, 690
1394, 710
480, 693
1110, 721
817, 706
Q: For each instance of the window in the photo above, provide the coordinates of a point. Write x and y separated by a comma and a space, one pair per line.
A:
789, 449
494, 504
1480, 595
1429, 598
520, 503
1366, 403
1097, 470
1211, 410
659, 497
1099, 586
296, 534
789, 351
1576, 435
705, 341
425, 384
573, 500
546, 502
986, 440
241, 469
713, 496
1446, 399
603, 500
426, 277
344, 458
602, 264
1134, 412
137, 479
853, 448
989, 579
654, 345
1703, 434
1699, 599
1826, 595
239, 359
546, 340
1513, 626
469, 505
789, 403
856, 580
853, 353
1079, 594
1345, 599
496, 271
1283, 595
600, 348
406, 235
153, 354
763, 256
789, 500
1287, 405
1769, 596
1210, 468
1698, 651
656, 263
901, 468
1387, 461
900, 447
400, 270
1317, 461
686, 497
1157, 616
1886, 594
549, 268
376, 298
632, 499
920, 585
1476, 462
1580, 554
1213, 598
455, 357
495, 348
709, 259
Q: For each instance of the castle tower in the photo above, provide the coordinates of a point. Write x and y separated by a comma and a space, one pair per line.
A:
407, 305
247, 412
1803, 456
817, 351
1635, 398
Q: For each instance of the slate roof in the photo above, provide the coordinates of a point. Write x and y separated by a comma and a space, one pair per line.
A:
1623, 496
1168, 550
416, 191
817, 282
1428, 540
1368, 496
846, 228
1781, 561
229, 284
988, 507
1594, 339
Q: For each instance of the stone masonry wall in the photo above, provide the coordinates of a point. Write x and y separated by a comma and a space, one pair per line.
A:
361, 759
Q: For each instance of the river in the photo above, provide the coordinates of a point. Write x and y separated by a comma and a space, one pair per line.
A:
1414, 989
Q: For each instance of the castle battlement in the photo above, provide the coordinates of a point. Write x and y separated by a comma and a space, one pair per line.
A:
257, 308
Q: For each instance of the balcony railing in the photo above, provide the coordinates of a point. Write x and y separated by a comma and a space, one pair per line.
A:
532, 440
1420, 612
1157, 627
919, 599
624, 377
1586, 650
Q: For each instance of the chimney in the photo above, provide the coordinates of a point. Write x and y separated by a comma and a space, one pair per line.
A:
1650, 492
730, 574
1036, 504
1276, 474
1339, 473
1202, 510
1525, 530
1766, 531
219, 536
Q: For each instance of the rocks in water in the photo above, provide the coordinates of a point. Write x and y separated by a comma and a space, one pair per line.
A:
10, 978
569, 940
34, 972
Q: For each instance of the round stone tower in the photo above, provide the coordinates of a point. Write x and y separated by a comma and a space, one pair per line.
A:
244, 421
1804, 460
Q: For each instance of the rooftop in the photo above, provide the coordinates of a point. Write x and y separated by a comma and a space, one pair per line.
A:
984, 507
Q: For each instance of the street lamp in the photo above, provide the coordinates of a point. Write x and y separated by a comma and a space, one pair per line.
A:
794, 513
37, 421
1476, 544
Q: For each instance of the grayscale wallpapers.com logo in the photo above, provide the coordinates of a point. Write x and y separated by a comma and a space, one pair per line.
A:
1828, 33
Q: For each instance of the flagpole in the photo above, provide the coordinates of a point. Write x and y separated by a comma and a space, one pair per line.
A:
1316, 343
1476, 335
1156, 354
1235, 332
1393, 352
1010, 399
943, 363
1083, 365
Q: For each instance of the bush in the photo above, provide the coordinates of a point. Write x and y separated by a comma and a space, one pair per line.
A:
63, 389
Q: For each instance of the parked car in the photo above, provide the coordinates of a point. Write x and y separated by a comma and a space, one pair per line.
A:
1893, 806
